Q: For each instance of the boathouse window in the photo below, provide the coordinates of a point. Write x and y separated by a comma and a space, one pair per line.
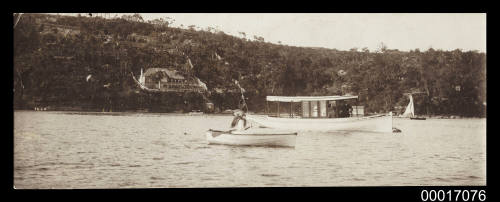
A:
305, 109
331, 111
322, 108
314, 109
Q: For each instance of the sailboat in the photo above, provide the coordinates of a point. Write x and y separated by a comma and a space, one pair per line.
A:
410, 110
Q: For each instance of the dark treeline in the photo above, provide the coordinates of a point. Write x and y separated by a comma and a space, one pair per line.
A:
54, 56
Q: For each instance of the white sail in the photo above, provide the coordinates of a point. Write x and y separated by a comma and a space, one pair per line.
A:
142, 79
410, 109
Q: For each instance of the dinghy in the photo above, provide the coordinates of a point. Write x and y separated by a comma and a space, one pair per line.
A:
252, 137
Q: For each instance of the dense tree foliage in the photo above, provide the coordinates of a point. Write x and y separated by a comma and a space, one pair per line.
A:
54, 56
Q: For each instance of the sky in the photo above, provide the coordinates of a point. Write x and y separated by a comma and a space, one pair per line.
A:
343, 31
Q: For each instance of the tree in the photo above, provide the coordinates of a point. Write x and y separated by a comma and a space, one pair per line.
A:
382, 47
51, 66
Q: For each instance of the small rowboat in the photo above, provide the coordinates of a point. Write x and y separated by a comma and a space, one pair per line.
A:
252, 137
195, 112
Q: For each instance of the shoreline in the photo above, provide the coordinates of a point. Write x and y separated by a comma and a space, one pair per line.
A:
211, 114
120, 112
442, 117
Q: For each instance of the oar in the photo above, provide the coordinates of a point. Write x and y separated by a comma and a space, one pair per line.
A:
216, 133
242, 96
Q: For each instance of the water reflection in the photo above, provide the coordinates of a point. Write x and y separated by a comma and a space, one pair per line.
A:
94, 150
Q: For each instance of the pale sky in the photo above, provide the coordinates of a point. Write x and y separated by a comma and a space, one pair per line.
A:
345, 31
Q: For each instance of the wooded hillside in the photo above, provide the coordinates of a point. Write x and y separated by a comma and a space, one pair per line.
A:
54, 55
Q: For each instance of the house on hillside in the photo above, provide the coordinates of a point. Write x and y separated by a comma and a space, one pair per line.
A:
45, 18
139, 38
59, 29
169, 80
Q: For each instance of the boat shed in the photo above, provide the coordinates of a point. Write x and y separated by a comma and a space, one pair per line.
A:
315, 106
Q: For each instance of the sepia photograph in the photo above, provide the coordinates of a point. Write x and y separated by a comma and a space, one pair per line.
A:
218, 100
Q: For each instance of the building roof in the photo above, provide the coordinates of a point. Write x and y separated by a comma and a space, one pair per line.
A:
307, 98
171, 73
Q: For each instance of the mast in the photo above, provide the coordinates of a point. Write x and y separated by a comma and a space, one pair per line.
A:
18, 17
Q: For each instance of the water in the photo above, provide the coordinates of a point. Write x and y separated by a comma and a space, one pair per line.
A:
133, 150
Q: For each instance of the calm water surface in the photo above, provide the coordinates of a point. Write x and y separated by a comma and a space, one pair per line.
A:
133, 150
